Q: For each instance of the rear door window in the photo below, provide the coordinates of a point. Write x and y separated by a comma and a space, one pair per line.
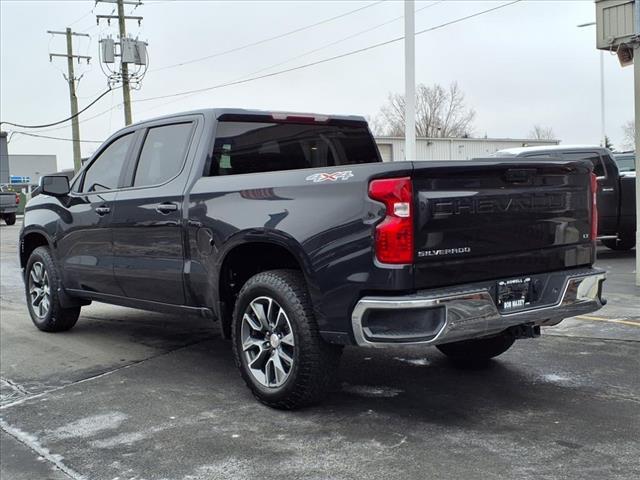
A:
252, 147
593, 157
163, 154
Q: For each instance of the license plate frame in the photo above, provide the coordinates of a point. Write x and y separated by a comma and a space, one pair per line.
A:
513, 294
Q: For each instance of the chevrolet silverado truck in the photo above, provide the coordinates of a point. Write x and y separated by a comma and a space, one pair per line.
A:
290, 231
616, 195
9, 202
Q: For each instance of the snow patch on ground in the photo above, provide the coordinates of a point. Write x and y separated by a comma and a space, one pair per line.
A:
419, 362
33, 443
89, 426
557, 379
231, 468
122, 439
371, 391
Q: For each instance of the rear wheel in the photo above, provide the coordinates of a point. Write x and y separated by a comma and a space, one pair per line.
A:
276, 343
624, 243
478, 350
42, 284
10, 218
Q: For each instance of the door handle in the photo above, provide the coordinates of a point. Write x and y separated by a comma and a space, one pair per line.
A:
103, 210
167, 208
607, 189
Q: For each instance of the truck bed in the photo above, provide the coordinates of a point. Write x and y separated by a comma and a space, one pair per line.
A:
489, 219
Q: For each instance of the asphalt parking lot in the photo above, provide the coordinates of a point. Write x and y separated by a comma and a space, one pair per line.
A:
137, 395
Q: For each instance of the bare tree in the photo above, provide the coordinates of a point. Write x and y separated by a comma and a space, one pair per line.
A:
376, 124
539, 132
629, 135
440, 112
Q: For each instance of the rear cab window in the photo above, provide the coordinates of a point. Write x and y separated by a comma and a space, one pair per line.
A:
593, 157
262, 146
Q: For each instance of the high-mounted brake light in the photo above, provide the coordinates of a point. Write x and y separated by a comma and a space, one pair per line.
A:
594, 207
394, 235
285, 117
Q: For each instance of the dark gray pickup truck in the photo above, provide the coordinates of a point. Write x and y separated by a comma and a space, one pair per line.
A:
9, 202
616, 195
290, 231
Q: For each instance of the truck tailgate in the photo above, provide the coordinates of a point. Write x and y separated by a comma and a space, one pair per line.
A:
487, 219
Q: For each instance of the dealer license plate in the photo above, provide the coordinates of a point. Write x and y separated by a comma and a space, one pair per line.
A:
513, 294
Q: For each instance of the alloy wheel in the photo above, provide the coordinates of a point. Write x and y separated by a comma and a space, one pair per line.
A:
39, 290
267, 341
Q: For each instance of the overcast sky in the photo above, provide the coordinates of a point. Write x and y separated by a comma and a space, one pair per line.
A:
522, 65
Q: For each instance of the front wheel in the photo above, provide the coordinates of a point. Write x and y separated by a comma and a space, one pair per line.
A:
42, 284
276, 343
478, 350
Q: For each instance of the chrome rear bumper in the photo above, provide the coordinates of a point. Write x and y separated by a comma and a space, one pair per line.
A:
473, 313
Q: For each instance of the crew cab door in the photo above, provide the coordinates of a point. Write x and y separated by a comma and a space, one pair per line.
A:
608, 191
85, 243
147, 224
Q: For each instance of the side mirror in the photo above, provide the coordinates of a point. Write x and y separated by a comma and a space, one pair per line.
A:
55, 185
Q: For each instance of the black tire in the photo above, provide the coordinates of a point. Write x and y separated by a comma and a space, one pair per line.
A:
625, 243
315, 362
10, 218
55, 318
479, 350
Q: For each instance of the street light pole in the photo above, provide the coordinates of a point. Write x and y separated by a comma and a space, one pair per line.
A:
409, 81
636, 89
603, 129
603, 132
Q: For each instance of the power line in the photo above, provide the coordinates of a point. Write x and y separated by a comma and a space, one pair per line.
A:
60, 121
276, 37
329, 59
309, 52
53, 138
341, 40
300, 67
81, 18
85, 120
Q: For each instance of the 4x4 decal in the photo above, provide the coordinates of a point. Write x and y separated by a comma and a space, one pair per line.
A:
332, 177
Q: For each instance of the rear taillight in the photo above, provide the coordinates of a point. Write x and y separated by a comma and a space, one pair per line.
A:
17, 198
394, 235
594, 207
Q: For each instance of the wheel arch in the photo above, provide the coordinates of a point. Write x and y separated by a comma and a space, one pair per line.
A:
246, 257
31, 240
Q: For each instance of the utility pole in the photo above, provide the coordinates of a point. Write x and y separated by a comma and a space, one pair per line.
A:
409, 80
124, 67
636, 88
126, 94
616, 33
71, 80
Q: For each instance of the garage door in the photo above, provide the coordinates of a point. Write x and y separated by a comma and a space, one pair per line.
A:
386, 152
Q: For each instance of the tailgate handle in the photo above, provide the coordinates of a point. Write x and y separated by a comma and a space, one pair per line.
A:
519, 175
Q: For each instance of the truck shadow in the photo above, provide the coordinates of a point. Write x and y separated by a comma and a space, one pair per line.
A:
398, 385
606, 254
